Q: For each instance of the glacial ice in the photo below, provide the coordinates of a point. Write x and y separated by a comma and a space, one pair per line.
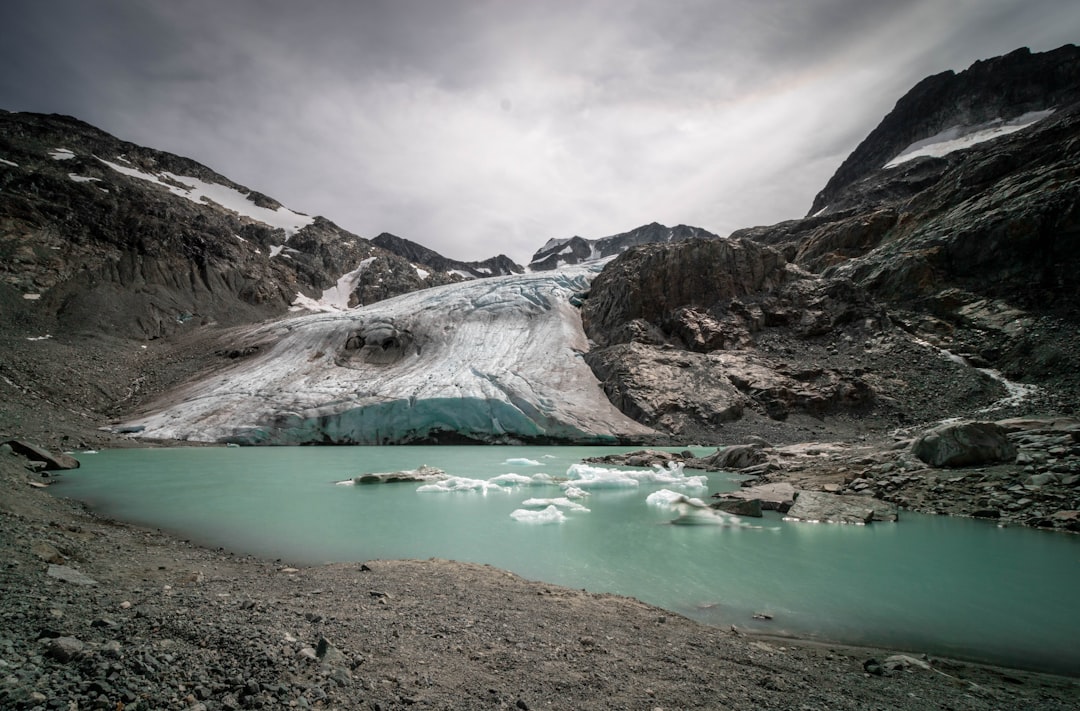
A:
586, 476
551, 514
492, 360
560, 501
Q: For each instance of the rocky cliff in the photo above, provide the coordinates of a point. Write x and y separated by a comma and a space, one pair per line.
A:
933, 261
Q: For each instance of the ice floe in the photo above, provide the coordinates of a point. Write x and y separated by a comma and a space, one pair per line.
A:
551, 514
587, 476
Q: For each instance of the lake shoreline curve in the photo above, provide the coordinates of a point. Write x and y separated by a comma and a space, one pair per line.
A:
101, 614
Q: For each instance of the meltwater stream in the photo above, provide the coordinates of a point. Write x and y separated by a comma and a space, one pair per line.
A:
953, 587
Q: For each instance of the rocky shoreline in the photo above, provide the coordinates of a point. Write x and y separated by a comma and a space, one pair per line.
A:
1018, 471
102, 615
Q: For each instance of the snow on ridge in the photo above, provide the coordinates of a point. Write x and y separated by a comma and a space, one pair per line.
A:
959, 137
336, 298
201, 192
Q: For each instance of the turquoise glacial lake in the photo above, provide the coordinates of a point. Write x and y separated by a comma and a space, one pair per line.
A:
950, 587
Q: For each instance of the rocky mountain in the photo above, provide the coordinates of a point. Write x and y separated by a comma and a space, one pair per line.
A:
101, 235
937, 277
500, 265
934, 262
575, 250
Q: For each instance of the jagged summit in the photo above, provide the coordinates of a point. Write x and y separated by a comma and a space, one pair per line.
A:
992, 90
416, 253
575, 250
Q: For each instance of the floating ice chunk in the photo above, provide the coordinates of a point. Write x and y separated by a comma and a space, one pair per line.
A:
511, 479
522, 462
459, 483
694, 516
542, 478
664, 497
551, 514
584, 476
573, 492
561, 502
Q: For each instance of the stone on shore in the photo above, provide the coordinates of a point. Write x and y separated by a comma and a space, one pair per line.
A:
739, 507
737, 456
963, 444
70, 575
821, 507
39, 454
777, 496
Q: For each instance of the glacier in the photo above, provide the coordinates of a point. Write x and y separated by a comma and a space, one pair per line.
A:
494, 360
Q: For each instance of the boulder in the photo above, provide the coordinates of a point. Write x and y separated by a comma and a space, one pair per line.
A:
963, 444
739, 456
778, 496
39, 454
834, 508
739, 507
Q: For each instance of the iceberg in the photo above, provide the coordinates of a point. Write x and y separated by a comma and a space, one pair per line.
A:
491, 360
551, 514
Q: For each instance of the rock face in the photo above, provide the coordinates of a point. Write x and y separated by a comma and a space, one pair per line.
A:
1000, 88
971, 251
964, 444
564, 252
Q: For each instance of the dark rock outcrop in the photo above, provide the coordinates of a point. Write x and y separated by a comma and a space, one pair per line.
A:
39, 454
963, 444
576, 250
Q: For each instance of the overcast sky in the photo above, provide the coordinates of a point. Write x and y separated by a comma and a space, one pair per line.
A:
487, 126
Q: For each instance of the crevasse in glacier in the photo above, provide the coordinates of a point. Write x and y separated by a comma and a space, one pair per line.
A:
491, 360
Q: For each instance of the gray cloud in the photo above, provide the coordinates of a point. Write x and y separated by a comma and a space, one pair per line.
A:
490, 126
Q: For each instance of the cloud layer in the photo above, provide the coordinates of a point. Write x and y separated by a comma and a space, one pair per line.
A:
492, 125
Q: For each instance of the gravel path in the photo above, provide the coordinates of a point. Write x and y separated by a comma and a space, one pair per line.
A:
169, 625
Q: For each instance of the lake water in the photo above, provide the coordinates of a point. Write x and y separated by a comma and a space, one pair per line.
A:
944, 586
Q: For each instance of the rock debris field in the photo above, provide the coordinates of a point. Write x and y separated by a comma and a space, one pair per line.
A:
100, 615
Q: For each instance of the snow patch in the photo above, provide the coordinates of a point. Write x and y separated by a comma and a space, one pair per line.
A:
61, 154
31, 297
83, 178
336, 298
7, 162
957, 138
201, 192
422, 273
39, 338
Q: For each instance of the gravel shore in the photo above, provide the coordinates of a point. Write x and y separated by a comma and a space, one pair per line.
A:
102, 615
